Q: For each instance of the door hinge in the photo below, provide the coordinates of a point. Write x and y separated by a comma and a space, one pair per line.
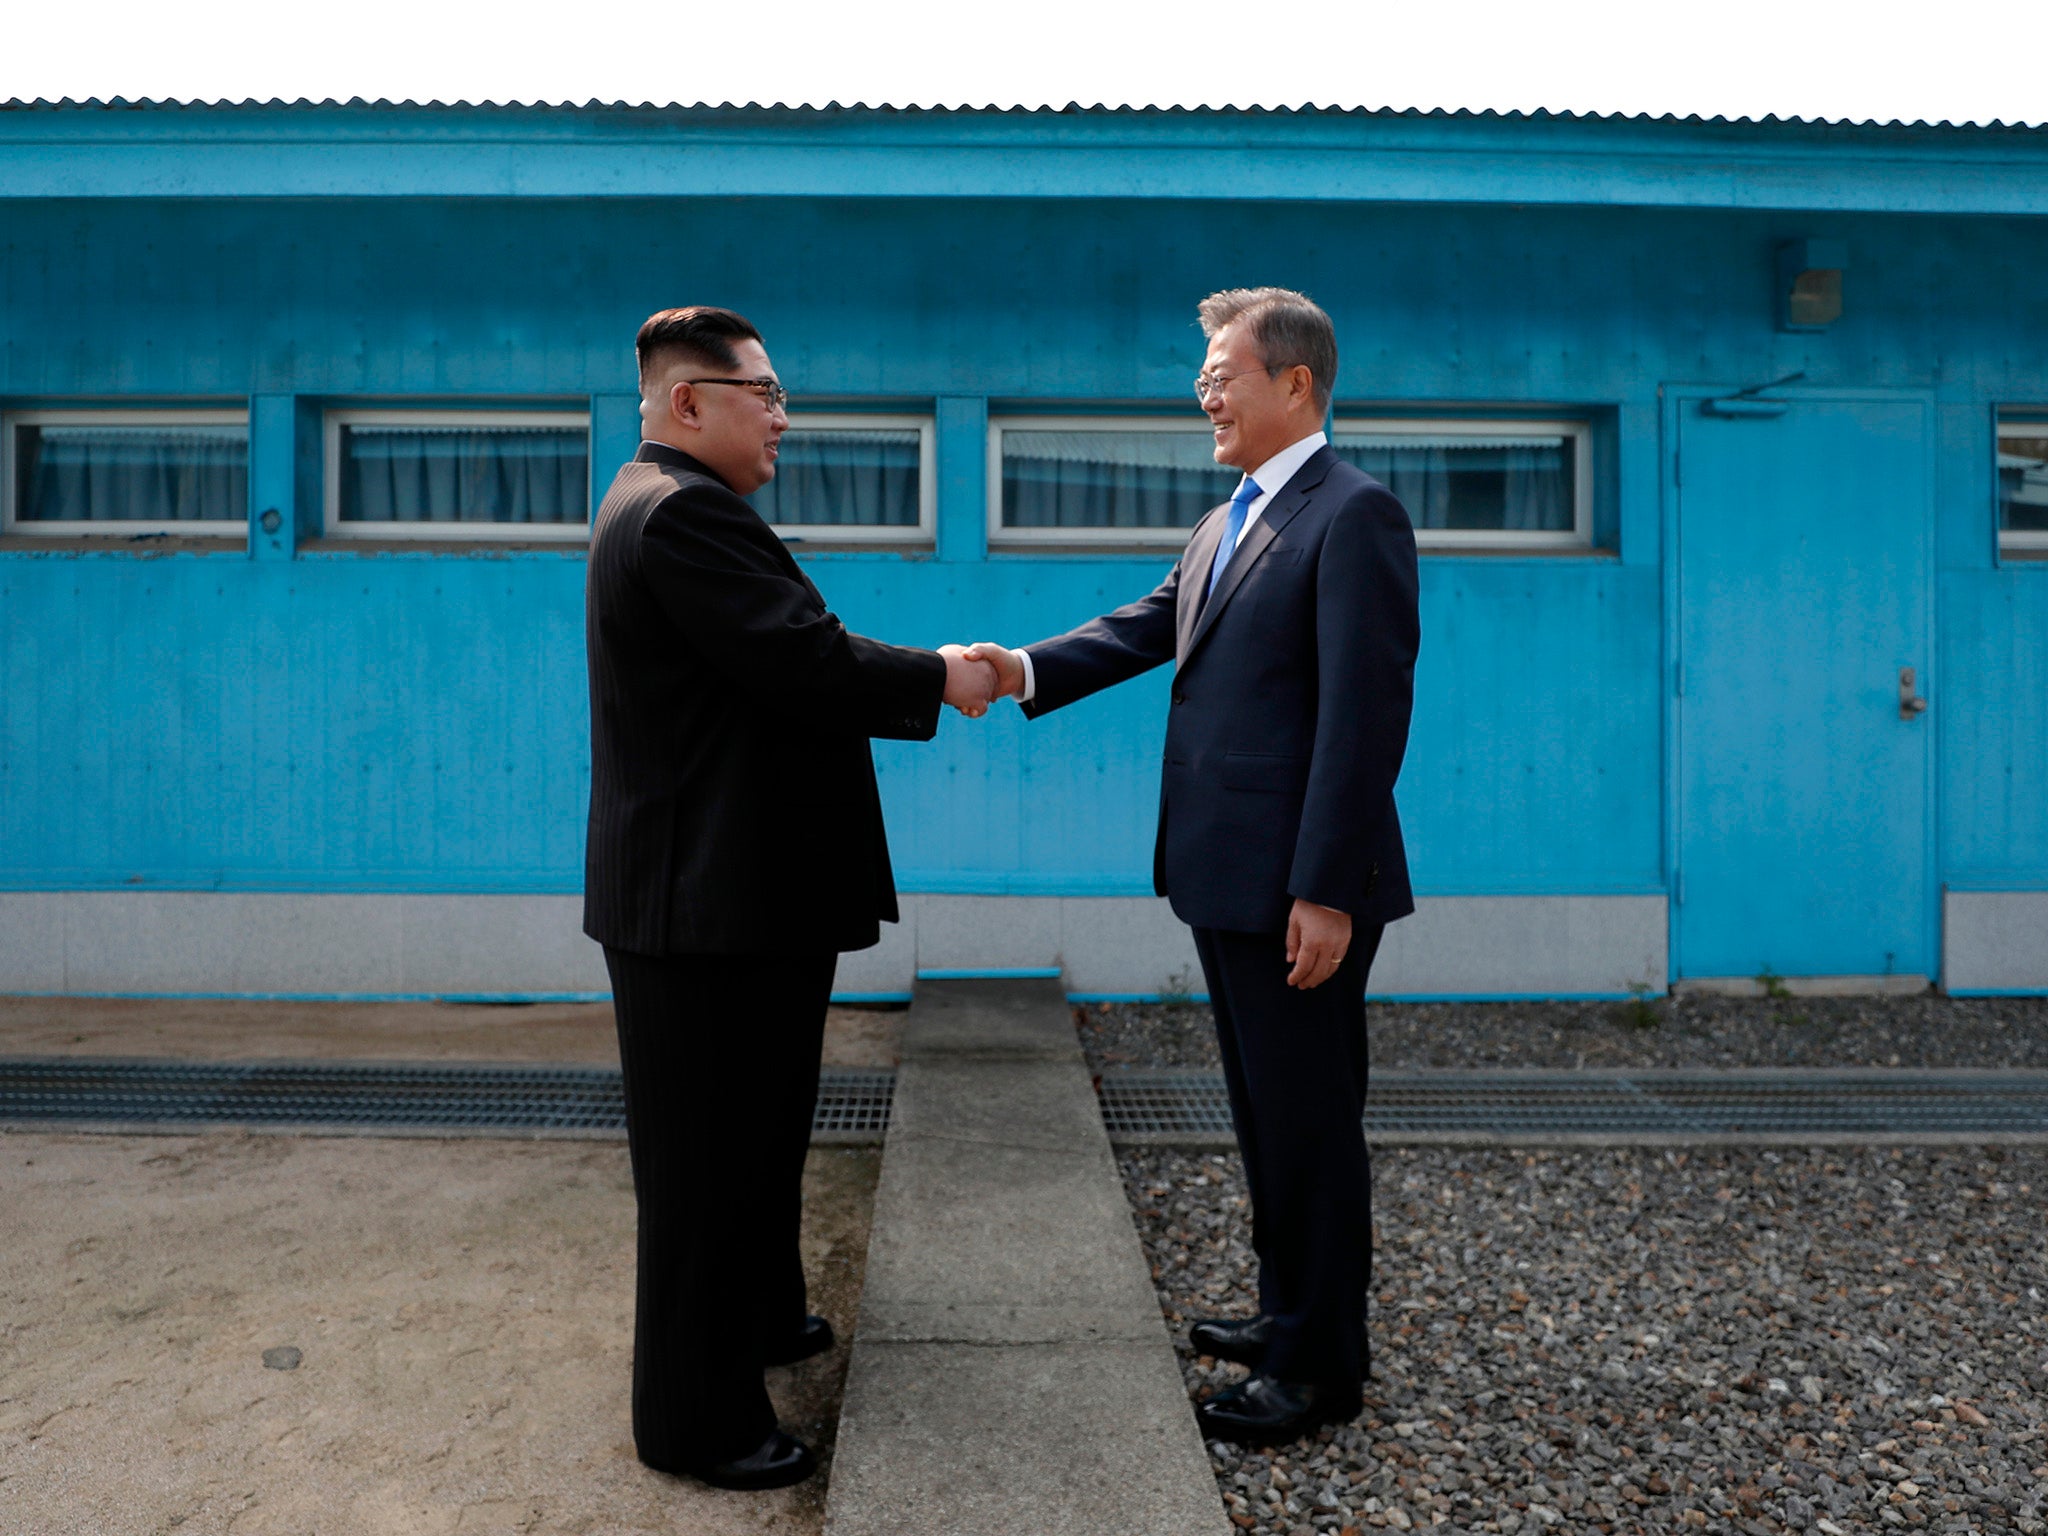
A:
1678, 678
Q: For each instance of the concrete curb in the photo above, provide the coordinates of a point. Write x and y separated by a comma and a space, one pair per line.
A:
1011, 1375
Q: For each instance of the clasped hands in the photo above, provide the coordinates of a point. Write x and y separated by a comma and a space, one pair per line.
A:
978, 675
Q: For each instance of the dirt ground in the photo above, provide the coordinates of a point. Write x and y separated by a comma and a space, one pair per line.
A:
461, 1308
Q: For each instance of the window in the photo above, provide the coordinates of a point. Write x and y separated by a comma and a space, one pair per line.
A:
1496, 484
126, 472
852, 479
1466, 483
2023, 484
458, 474
1101, 479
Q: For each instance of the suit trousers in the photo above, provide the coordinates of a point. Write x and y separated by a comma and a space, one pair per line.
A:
720, 1058
1295, 1065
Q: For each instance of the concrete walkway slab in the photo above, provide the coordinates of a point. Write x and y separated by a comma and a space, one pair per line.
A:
1011, 1373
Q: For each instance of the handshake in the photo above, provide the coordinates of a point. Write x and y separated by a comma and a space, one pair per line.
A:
977, 675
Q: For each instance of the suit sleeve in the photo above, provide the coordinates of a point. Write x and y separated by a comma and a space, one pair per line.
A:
766, 631
1105, 651
1368, 631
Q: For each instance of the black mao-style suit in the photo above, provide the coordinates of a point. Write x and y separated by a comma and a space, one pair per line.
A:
1291, 700
735, 849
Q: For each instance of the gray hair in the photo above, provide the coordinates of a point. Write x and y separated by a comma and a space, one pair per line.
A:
1289, 329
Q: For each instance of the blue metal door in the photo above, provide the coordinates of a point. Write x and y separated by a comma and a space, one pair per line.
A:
1802, 770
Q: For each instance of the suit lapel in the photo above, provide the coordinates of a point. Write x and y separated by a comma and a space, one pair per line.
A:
1194, 580
1278, 514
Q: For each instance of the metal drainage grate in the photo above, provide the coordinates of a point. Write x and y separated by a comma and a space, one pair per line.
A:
853, 1104
1151, 1104
1755, 1105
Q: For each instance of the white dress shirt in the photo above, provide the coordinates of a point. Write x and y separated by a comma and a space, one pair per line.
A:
1271, 477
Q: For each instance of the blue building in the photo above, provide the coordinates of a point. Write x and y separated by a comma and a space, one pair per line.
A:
1725, 440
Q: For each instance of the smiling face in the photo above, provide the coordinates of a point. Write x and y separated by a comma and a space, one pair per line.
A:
1254, 415
728, 428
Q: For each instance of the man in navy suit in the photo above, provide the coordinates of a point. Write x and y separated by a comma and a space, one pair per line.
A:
1291, 622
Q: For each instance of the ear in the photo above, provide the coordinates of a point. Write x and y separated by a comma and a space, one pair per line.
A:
682, 403
1301, 385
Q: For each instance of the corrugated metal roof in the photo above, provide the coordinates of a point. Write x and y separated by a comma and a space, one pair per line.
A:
1071, 109
364, 148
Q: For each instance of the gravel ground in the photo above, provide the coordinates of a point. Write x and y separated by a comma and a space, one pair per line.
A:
1928, 1030
1651, 1341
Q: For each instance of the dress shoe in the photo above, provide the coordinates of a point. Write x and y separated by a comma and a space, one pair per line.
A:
814, 1338
1265, 1410
776, 1462
1240, 1340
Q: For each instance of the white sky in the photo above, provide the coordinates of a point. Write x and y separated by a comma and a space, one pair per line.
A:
1959, 60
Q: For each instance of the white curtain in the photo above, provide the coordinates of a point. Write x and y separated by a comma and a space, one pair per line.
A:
1111, 479
851, 477
422, 474
1508, 484
162, 474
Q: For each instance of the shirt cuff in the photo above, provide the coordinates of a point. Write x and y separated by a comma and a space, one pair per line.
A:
1030, 680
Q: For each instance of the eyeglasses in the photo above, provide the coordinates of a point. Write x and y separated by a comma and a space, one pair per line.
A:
768, 389
1212, 384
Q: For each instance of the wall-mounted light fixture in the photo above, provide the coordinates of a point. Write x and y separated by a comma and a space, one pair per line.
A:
1810, 284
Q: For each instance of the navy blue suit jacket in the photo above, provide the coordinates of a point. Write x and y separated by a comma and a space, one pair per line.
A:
1291, 695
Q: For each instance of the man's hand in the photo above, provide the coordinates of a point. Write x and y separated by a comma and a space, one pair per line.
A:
970, 681
1009, 667
1317, 938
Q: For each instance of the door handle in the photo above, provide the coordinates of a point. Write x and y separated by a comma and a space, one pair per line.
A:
1910, 702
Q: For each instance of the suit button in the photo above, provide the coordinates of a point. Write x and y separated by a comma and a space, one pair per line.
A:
1179, 697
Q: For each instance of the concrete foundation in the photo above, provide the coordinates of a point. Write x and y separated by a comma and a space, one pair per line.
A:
1995, 941
300, 944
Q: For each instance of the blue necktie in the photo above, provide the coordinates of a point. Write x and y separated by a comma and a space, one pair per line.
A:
1233, 525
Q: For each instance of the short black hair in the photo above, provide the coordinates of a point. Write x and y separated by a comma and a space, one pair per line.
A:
703, 333
1289, 329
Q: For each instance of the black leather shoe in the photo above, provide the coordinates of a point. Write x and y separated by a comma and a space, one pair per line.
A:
1241, 1340
814, 1338
776, 1463
1267, 1411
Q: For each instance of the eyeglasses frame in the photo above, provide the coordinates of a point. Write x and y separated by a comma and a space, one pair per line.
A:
1206, 386
770, 391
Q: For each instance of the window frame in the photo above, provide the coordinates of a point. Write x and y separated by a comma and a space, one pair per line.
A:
1504, 540
335, 419
926, 530
1001, 535
12, 523
2032, 421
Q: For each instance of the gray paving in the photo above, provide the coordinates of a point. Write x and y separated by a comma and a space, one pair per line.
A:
1010, 1373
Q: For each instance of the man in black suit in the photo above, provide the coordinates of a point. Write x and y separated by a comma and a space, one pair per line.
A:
735, 848
1291, 621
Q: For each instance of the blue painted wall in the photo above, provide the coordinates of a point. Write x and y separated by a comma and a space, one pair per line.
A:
326, 719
